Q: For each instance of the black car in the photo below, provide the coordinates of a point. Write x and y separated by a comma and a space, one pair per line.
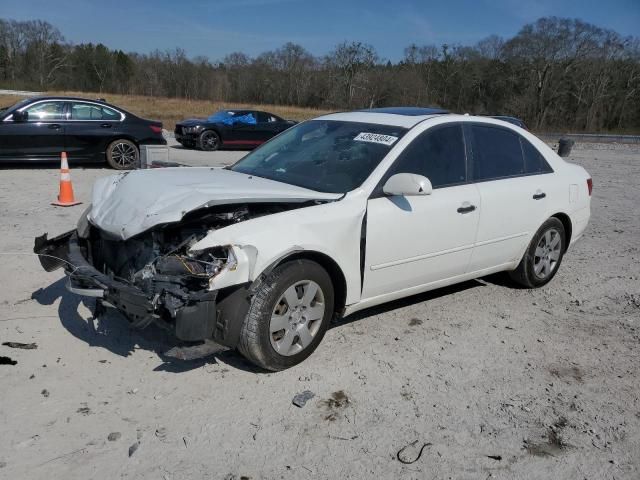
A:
230, 129
39, 129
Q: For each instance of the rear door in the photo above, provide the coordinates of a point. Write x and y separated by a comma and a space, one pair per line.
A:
90, 129
512, 178
420, 240
40, 137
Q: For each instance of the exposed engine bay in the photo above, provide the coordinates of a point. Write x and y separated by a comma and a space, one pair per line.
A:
158, 262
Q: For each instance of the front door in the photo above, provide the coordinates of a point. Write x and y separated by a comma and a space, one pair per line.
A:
415, 241
39, 137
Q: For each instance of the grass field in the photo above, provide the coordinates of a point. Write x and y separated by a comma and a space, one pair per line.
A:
171, 110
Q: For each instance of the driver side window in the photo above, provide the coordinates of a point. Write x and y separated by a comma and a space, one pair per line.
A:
46, 111
438, 154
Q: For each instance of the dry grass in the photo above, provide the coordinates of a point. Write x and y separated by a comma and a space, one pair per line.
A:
171, 110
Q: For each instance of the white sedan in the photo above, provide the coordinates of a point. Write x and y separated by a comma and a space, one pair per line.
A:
336, 214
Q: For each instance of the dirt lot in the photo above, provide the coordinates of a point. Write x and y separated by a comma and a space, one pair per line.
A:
493, 382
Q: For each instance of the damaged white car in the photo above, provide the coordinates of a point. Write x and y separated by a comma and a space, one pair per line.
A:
334, 215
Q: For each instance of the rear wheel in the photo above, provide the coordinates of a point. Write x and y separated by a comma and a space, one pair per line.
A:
209, 141
543, 257
288, 315
123, 155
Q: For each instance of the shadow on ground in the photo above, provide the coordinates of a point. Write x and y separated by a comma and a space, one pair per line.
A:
110, 329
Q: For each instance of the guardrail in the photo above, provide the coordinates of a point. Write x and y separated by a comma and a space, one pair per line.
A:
591, 137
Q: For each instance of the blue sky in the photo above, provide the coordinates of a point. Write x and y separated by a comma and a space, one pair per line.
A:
217, 27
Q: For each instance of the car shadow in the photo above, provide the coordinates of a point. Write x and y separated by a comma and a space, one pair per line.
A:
50, 165
110, 330
220, 149
406, 302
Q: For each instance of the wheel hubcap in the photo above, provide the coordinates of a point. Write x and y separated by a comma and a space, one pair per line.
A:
547, 253
210, 140
297, 317
124, 154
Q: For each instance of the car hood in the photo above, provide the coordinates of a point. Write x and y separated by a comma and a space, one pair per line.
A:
127, 204
193, 121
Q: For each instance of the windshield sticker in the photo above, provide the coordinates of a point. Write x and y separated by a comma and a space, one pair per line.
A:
376, 138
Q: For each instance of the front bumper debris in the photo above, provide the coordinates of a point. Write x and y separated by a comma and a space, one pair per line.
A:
192, 315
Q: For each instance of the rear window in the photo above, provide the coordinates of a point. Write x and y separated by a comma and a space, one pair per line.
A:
496, 153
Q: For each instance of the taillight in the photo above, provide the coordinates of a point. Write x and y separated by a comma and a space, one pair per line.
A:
155, 128
589, 185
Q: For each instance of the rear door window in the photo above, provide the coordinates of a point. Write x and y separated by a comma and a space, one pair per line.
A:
438, 154
534, 161
496, 153
88, 111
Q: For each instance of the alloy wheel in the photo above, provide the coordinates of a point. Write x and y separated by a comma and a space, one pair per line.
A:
547, 253
124, 154
297, 317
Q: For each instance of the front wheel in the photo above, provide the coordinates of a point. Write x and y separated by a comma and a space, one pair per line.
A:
543, 257
122, 155
288, 315
209, 141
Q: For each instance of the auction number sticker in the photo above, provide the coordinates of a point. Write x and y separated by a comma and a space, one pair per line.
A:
376, 138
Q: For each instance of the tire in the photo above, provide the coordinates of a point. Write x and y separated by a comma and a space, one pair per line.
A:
123, 154
542, 260
262, 342
209, 141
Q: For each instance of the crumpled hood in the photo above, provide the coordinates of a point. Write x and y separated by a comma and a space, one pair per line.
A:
129, 203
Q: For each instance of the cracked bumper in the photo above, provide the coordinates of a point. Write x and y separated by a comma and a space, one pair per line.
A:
194, 320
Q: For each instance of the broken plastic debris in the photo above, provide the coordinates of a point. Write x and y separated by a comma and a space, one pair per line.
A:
7, 361
133, 448
24, 346
302, 398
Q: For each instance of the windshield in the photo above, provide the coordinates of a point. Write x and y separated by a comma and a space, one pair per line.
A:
323, 155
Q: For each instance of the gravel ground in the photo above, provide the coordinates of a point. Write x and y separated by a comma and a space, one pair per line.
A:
480, 380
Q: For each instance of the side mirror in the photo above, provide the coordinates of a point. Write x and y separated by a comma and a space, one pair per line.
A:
407, 184
19, 116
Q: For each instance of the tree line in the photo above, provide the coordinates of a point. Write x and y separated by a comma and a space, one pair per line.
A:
555, 73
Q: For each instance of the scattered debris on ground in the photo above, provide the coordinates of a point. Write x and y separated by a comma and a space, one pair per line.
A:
410, 453
302, 398
133, 448
23, 346
338, 401
114, 436
195, 352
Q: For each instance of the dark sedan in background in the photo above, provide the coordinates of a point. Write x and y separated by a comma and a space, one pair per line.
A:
39, 129
244, 129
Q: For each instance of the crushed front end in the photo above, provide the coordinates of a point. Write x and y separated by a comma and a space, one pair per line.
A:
152, 277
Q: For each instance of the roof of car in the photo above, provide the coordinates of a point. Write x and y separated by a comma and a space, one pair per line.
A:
40, 98
410, 111
406, 117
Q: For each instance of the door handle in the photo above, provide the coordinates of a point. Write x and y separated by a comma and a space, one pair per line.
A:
54, 126
106, 125
466, 208
539, 195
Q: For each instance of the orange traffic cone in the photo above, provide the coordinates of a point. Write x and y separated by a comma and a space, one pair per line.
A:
65, 198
